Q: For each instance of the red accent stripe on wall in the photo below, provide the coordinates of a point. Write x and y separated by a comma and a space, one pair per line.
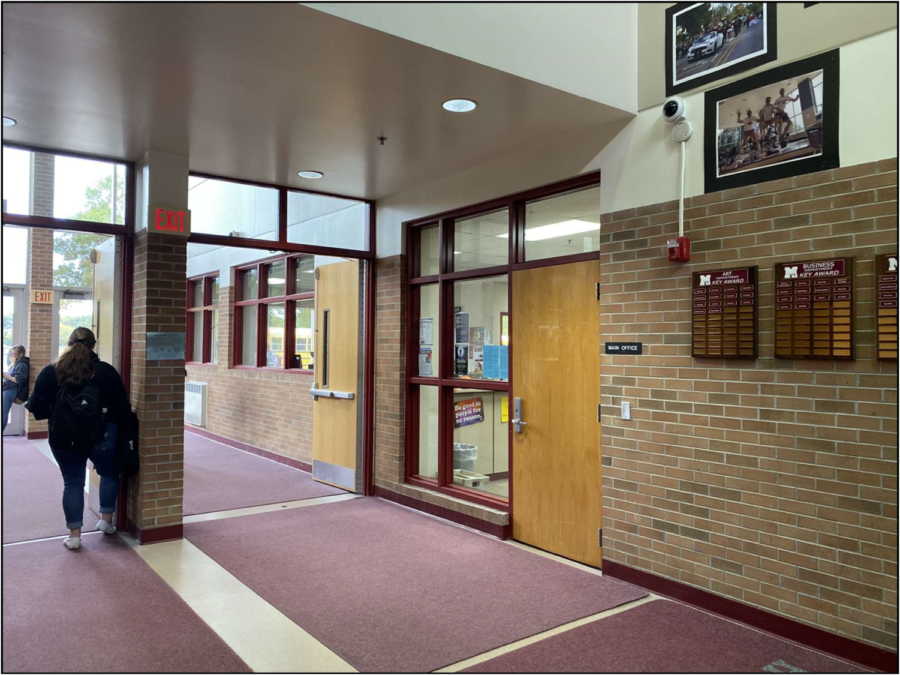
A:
37, 435
499, 531
268, 454
780, 626
156, 534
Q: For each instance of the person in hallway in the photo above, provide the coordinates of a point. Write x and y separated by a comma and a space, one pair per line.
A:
85, 400
15, 381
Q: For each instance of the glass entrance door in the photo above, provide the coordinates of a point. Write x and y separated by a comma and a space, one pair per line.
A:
13, 334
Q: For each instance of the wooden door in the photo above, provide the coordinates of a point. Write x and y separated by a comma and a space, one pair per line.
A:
335, 411
556, 372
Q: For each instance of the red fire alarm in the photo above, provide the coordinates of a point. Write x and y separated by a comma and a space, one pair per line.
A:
679, 249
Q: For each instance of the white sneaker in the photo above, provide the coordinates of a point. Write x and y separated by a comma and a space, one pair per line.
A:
73, 543
106, 528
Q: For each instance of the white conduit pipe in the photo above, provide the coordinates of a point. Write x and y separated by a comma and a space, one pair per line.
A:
681, 195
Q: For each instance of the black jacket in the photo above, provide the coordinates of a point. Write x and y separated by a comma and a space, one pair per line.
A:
113, 396
19, 370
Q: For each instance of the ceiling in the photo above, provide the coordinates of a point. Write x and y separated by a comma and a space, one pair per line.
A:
262, 90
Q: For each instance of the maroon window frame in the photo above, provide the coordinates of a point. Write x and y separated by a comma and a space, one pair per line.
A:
204, 310
262, 301
445, 280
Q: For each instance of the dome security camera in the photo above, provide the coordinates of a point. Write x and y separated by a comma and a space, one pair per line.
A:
674, 110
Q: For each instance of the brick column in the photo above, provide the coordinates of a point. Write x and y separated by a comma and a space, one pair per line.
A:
39, 319
157, 388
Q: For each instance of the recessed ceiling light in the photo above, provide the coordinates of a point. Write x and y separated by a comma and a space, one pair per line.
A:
312, 175
460, 105
8, 121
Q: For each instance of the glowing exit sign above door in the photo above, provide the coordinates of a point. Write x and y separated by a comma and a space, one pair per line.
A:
169, 221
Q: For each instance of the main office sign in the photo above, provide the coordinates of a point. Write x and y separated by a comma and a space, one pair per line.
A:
175, 222
631, 348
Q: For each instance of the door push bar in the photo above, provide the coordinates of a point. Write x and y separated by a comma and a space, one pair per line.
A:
328, 393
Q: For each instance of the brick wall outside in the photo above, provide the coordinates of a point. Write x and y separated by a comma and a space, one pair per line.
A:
157, 387
39, 319
263, 408
772, 482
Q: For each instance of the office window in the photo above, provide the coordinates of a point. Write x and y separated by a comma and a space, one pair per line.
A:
202, 339
276, 300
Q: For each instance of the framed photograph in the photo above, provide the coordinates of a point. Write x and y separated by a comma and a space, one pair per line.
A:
776, 124
706, 41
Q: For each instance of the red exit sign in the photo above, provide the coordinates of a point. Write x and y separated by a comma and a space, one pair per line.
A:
41, 297
170, 221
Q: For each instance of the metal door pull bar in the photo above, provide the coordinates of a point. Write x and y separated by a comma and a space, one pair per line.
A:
328, 393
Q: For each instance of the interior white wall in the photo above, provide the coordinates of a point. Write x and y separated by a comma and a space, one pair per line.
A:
640, 165
588, 49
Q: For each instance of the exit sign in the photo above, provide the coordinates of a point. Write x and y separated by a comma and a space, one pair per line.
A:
170, 221
41, 297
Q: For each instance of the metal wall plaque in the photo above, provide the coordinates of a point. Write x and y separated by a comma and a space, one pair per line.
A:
886, 274
631, 348
724, 314
814, 309
165, 346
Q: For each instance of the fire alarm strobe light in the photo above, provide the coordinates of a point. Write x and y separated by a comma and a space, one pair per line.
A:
679, 249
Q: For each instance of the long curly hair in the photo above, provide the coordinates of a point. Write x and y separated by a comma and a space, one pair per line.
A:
76, 364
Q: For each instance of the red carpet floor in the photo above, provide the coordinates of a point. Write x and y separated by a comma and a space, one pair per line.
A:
391, 590
219, 478
663, 637
32, 495
103, 610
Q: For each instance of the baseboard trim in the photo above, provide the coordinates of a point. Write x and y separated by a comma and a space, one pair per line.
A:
253, 450
156, 535
37, 435
775, 624
499, 531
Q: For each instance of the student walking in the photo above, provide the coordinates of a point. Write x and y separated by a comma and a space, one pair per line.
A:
15, 381
86, 402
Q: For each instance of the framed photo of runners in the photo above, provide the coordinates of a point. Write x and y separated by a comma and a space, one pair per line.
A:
706, 41
780, 123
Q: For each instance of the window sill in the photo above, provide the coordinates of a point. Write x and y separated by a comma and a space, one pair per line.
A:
201, 363
294, 371
465, 494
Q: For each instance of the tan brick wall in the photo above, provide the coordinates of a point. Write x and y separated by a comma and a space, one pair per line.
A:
773, 482
262, 408
157, 387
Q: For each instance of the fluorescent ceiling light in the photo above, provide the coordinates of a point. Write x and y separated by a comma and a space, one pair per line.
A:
460, 105
312, 175
557, 230
275, 280
8, 121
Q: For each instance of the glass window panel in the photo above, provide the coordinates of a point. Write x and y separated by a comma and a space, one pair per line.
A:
249, 284
15, 252
248, 336
214, 337
233, 209
304, 274
197, 342
327, 221
478, 353
197, 293
214, 291
16, 185
304, 334
564, 225
276, 283
275, 335
429, 330
428, 432
429, 254
481, 241
72, 267
9, 314
481, 440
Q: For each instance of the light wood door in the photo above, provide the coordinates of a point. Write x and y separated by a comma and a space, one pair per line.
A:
556, 372
337, 371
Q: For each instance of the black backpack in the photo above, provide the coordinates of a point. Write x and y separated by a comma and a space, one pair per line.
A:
78, 419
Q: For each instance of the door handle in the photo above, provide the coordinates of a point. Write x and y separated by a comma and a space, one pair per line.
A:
517, 421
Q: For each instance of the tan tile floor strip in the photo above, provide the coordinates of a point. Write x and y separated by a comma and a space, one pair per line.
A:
266, 508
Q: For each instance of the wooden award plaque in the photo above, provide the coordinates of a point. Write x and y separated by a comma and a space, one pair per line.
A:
886, 296
724, 314
814, 309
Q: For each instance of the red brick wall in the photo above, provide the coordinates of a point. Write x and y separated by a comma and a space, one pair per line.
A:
262, 408
773, 482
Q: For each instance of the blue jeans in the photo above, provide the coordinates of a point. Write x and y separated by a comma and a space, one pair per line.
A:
73, 466
9, 395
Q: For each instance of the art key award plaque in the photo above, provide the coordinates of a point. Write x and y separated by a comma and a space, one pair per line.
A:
724, 314
886, 296
814, 309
